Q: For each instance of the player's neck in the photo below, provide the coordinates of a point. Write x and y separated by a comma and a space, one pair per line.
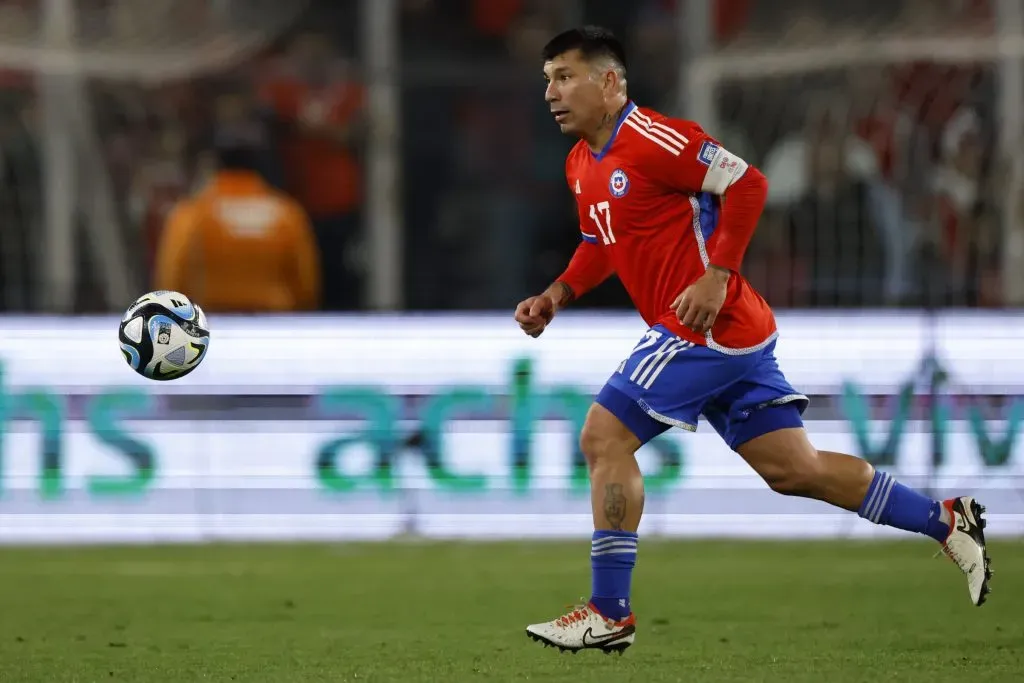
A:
600, 137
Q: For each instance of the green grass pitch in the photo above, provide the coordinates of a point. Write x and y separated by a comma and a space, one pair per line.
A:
708, 611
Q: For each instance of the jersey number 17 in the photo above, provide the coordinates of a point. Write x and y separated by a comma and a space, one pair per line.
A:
601, 213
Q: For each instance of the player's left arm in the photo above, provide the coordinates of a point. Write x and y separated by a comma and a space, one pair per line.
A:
703, 164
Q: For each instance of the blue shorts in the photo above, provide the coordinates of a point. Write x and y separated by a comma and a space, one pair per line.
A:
668, 382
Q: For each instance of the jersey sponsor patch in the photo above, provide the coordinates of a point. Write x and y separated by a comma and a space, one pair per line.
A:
618, 184
708, 150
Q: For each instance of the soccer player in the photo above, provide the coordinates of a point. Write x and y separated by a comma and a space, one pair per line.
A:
670, 211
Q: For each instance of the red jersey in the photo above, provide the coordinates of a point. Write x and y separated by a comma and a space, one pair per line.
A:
651, 211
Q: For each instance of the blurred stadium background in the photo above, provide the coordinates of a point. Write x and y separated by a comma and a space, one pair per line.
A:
389, 395
444, 187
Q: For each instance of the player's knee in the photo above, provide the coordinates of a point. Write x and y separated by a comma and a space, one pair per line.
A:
604, 437
787, 462
595, 444
798, 475
788, 481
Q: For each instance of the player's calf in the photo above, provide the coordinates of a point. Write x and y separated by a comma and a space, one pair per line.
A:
617, 485
606, 622
617, 502
791, 465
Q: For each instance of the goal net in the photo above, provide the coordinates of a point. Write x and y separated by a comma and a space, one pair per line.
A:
890, 131
99, 101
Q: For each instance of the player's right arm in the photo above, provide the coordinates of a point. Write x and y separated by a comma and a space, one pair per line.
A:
589, 267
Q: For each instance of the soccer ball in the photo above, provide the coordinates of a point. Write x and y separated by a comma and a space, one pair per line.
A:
163, 335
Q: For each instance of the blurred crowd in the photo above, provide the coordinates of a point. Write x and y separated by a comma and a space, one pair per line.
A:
885, 186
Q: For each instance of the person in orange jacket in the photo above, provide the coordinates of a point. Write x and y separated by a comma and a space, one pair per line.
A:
238, 245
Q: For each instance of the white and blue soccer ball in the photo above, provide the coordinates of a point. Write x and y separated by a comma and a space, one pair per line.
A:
164, 335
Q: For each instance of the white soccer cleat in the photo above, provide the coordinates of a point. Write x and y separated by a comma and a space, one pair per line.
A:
584, 628
965, 545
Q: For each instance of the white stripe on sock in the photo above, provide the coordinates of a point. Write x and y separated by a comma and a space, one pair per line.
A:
613, 539
613, 551
620, 544
876, 491
884, 499
876, 499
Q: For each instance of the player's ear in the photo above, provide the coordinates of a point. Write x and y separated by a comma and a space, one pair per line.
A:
613, 80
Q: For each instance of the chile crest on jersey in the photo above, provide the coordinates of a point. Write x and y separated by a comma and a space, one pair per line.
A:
618, 183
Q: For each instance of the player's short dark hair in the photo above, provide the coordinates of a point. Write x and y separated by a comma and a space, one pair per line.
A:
593, 42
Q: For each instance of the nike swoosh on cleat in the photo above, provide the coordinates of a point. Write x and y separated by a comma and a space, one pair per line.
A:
597, 641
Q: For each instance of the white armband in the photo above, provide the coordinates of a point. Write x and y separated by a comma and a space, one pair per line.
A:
724, 168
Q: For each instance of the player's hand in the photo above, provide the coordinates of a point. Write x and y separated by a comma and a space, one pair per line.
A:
698, 306
534, 314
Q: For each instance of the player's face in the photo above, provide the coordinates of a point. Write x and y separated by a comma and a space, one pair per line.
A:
575, 98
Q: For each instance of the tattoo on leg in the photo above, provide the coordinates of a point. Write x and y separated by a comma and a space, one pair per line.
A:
614, 506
